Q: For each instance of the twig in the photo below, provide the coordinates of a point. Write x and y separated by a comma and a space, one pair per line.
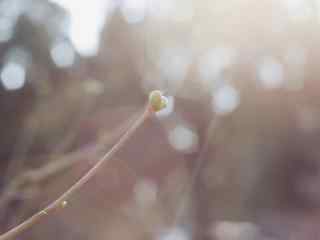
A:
188, 188
33, 177
62, 201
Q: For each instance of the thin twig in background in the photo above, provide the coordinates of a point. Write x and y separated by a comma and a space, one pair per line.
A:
188, 188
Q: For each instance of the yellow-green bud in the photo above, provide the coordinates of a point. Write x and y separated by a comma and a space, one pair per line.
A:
157, 100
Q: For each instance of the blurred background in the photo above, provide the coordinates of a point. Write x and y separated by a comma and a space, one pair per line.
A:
234, 156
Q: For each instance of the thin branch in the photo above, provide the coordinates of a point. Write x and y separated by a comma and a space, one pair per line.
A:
31, 177
61, 202
188, 188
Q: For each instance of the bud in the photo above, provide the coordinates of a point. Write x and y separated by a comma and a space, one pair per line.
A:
157, 100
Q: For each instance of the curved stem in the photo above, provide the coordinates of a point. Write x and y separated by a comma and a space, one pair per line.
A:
61, 202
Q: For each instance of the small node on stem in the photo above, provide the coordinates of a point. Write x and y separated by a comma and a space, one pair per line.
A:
64, 204
44, 212
157, 100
